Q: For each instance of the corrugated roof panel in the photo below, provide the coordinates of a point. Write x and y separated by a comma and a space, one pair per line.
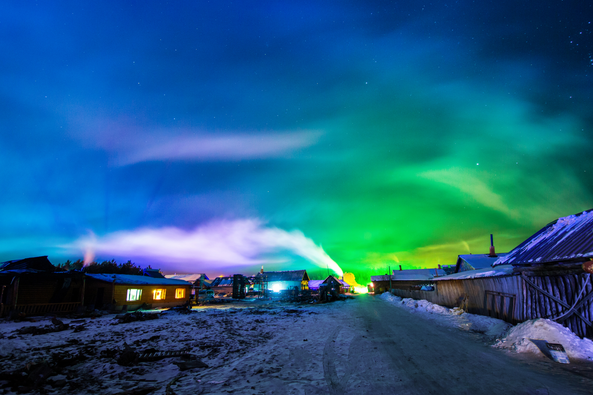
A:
567, 238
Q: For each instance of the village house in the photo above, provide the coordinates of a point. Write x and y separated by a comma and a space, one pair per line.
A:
315, 284
546, 276
32, 286
282, 281
130, 292
405, 279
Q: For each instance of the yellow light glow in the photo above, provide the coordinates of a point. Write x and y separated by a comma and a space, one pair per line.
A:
180, 293
361, 290
158, 294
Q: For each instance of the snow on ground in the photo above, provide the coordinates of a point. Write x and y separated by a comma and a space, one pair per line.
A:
455, 317
519, 338
89, 359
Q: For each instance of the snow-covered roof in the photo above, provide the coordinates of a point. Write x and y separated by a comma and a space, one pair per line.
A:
191, 277
567, 238
411, 275
480, 261
287, 275
35, 264
501, 270
222, 281
135, 280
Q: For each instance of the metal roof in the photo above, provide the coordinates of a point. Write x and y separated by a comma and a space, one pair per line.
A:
411, 275
566, 239
131, 279
480, 261
35, 264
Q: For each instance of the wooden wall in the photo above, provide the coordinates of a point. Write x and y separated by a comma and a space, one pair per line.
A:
516, 298
36, 288
120, 294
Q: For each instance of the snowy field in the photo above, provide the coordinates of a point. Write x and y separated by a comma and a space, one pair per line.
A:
522, 338
91, 357
253, 348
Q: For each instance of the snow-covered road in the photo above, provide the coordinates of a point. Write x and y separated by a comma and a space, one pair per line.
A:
364, 345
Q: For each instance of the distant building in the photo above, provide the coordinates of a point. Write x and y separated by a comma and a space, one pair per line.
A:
406, 279
154, 273
283, 280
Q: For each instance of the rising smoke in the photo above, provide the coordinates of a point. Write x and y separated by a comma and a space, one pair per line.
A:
209, 248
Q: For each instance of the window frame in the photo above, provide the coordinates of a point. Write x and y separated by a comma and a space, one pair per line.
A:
180, 290
163, 293
137, 297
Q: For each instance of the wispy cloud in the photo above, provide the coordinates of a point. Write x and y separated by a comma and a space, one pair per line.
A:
217, 245
203, 147
468, 183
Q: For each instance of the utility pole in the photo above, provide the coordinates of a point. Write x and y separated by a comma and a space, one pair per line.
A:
390, 287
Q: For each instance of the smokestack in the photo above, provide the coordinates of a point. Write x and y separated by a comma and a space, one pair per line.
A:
440, 266
492, 253
400, 267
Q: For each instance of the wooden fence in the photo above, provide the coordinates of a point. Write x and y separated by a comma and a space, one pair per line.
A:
566, 298
43, 308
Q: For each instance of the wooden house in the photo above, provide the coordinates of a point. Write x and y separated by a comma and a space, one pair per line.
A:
405, 279
222, 285
283, 281
126, 291
32, 286
546, 276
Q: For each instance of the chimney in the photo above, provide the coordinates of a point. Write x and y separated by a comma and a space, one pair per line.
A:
440, 266
262, 269
400, 267
492, 253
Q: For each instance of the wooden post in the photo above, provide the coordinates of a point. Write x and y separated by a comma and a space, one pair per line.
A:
83, 288
16, 292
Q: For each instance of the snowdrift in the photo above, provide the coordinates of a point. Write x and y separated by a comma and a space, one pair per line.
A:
517, 339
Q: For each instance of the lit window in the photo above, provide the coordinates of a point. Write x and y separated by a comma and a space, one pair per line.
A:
134, 294
158, 294
180, 293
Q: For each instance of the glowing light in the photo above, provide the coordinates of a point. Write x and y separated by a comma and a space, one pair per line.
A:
361, 290
276, 287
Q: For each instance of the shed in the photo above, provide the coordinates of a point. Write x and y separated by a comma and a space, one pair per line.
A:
330, 289
132, 291
32, 286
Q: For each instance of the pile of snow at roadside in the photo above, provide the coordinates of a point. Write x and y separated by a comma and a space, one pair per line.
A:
451, 317
518, 339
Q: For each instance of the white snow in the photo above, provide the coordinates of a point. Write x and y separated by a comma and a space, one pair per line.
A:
512, 338
501, 270
454, 317
519, 338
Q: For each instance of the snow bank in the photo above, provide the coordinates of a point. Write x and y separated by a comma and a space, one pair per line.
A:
518, 339
454, 317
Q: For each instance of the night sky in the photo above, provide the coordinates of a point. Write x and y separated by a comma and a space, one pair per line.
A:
216, 136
